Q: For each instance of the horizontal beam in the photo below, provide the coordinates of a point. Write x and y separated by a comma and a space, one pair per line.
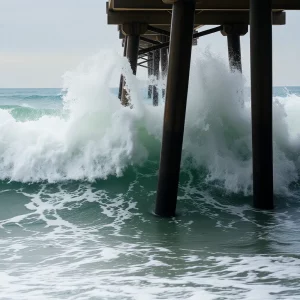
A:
145, 67
200, 5
167, 44
158, 30
149, 41
203, 18
162, 29
196, 35
143, 62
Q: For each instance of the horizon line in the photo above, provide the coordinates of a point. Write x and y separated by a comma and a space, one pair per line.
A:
60, 88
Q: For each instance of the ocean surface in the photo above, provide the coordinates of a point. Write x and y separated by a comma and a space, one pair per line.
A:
78, 182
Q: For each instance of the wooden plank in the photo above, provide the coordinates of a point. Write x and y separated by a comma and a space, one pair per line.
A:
201, 5
201, 18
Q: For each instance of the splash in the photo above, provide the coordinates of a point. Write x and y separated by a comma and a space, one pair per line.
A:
94, 137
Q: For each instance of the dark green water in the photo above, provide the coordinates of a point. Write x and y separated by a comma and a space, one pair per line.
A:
78, 186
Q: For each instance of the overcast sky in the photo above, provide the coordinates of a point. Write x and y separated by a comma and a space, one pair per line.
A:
42, 39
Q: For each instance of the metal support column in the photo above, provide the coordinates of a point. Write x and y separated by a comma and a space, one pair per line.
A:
234, 52
261, 102
121, 77
156, 60
150, 73
175, 106
133, 32
164, 61
233, 33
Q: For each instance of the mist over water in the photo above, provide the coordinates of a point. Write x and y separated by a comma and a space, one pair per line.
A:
93, 136
79, 175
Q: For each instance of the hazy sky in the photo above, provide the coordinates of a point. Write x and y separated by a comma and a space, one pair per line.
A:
42, 39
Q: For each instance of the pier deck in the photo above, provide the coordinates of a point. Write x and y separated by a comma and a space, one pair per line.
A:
156, 5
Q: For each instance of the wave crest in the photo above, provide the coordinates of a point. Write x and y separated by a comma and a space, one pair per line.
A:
95, 136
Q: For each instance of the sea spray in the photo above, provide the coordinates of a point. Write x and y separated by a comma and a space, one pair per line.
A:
95, 137
95, 239
218, 128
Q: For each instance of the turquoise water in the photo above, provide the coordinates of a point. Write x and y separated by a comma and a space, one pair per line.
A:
78, 179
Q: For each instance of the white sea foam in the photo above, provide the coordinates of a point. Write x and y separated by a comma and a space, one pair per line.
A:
96, 137
87, 243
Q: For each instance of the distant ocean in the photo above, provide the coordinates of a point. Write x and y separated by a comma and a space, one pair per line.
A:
78, 181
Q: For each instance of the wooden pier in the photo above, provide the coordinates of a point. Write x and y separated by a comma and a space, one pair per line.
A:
165, 30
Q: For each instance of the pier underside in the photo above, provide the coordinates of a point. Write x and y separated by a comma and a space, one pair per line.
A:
201, 18
166, 31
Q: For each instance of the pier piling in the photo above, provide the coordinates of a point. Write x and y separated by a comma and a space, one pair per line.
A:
150, 73
234, 52
121, 77
233, 33
132, 32
175, 106
156, 61
164, 61
261, 102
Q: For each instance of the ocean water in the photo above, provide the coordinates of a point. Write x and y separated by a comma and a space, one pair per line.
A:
78, 181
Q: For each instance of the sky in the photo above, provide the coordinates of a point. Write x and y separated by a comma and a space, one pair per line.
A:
42, 39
